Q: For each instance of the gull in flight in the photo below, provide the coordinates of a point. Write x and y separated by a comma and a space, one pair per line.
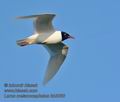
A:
52, 39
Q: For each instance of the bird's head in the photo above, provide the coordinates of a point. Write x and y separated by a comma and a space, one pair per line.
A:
66, 36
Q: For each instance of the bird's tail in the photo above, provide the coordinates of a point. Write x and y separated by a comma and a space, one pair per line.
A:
22, 42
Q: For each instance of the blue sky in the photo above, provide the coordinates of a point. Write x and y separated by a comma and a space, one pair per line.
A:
91, 71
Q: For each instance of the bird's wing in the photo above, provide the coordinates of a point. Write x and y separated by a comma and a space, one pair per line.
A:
58, 53
42, 23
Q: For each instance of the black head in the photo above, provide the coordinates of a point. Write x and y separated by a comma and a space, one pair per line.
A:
66, 36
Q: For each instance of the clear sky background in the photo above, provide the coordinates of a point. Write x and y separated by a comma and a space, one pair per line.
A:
91, 71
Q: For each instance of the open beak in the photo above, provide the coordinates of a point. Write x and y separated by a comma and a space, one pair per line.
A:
71, 37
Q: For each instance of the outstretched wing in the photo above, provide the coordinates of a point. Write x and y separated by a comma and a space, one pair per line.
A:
42, 23
58, 53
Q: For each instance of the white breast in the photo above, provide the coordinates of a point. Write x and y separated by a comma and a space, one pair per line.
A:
54, 38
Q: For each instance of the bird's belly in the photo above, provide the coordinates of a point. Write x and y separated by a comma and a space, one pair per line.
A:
53, 39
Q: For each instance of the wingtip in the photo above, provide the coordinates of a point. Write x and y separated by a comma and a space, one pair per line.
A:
21, 17
32, 16
45, 82
18, 17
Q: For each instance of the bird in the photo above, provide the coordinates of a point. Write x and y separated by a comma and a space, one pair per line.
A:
46, 35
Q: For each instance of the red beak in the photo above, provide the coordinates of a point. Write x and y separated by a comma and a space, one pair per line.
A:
71, 37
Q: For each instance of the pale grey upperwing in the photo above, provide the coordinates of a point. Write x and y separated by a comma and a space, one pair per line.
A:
58, 53
42, 23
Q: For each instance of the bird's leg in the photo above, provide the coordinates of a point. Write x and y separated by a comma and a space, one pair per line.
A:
25, 42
